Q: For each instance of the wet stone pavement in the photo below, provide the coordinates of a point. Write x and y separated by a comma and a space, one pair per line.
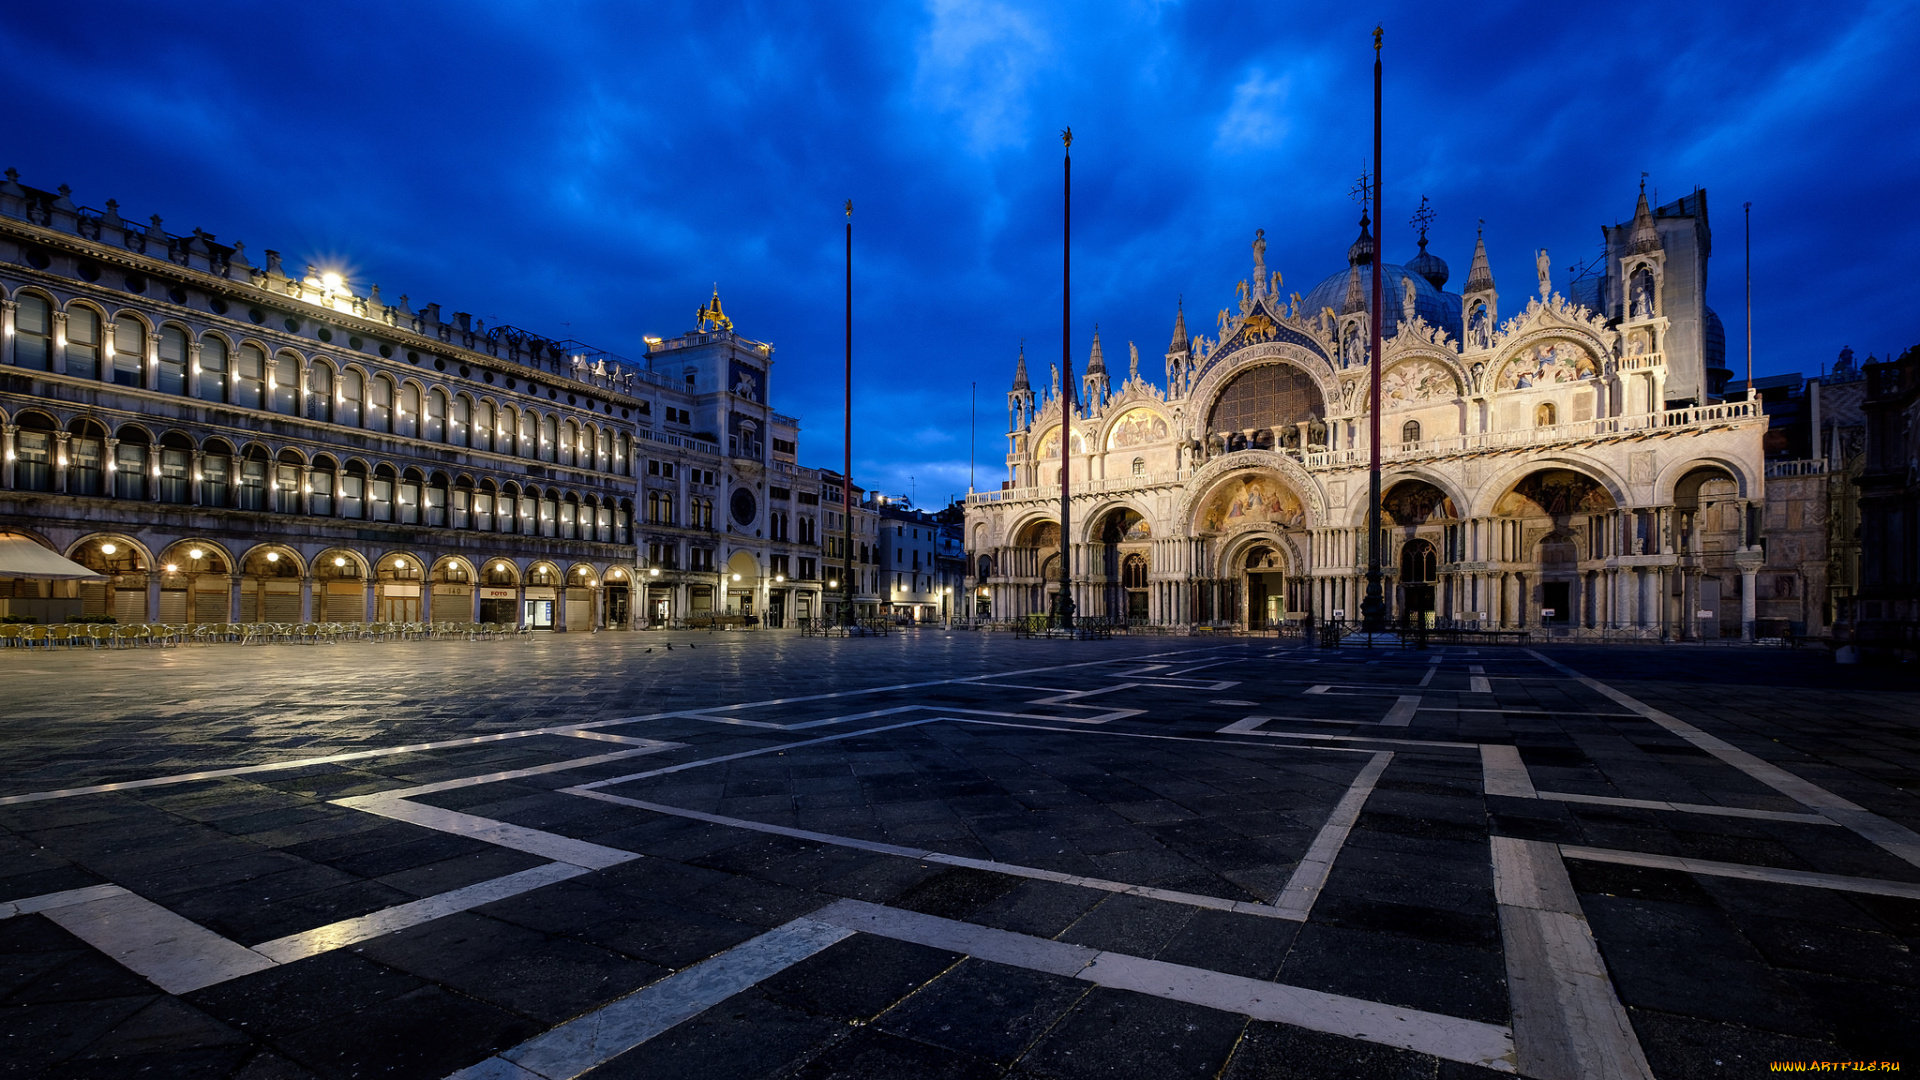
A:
956, 855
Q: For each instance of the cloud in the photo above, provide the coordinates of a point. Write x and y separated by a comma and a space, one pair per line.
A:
1254, 120
978, 63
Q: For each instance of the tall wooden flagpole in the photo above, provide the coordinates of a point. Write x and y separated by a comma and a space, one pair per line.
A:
1063, 605
846, 475
1373, 609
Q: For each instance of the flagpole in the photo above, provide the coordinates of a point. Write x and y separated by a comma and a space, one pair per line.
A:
1749, 219
1063, 610
846, 476
1373, 607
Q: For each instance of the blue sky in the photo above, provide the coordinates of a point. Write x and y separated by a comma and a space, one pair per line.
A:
592, 169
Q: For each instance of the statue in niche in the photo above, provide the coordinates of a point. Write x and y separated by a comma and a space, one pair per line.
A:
1480, 329
1544, 267
1643, 295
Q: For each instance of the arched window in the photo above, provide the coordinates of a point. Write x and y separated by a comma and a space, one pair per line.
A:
549, 438
286, 483
320, 392
569, 514
411, 496
176, 456
83, 342
216, 474
353, 491
379, 404
1139, 466
460, 420
438, 498
129, 351
130, 465
320, 478
211, 385
436, 429
620, 455
1544, 416
1410, 432
250, 488
86, 458
249, 371
566, 443
380, 494
622, 521
483, 506
482, 425
349, 388
32, 333
529, 435
407, 419
286, 384
171, 372
1133, 572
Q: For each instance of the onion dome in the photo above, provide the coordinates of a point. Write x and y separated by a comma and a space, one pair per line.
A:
1429, 266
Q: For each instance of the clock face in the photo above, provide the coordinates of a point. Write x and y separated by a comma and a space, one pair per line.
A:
743, 507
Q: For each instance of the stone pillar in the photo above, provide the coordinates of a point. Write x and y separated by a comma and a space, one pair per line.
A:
7, 432
60, 461
57, 355
1748, 608
306, 598
150, 363
193, 368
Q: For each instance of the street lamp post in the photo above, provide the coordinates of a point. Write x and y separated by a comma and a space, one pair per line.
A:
1063, 600
1373, 608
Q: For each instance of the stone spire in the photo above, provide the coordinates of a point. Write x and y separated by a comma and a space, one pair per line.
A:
1097, 363
1179, 329
1479, 275
1645, 236
1094, 382
1020, 371
1356, 296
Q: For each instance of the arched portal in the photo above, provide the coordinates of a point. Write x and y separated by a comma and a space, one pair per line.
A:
1424, 523
1552, 533
1120, 537
1264, 583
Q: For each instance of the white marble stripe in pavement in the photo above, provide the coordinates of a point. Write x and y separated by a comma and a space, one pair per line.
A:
1568, 1024
613, 1029
1891, 836
1303, 888
487, 830
171, 951
1504, 773
776, 749
1251, 726
28, 905
1402, 712
1189, 738
1452, 1038
653, 747
286, 950
1035, 873
1837, 882
574, 729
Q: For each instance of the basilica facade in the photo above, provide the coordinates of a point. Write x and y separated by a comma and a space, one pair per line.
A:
1573, 464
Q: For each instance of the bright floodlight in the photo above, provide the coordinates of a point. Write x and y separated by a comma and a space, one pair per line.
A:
273, 556
108, 548
331, 280
195, 553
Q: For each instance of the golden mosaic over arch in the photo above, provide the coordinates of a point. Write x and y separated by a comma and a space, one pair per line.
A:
1138, 427
1250, 498
1554, 493
1048, 449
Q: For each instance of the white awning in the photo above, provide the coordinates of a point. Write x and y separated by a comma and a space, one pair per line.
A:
25, 557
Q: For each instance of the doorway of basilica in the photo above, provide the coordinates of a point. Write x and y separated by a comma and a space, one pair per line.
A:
1266, 588
1419, 573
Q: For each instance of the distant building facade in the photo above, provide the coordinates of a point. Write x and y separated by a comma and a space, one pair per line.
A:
1578, 467
922, 565
232, 443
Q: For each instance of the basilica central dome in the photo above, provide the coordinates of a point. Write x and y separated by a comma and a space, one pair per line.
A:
1435, 307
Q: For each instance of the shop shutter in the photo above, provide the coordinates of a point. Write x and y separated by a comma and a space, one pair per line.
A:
130, 605
282, 602
579, 609
173, 606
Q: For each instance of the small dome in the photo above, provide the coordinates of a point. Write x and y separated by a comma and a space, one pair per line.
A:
1716, 343
1429, 266
1438, 308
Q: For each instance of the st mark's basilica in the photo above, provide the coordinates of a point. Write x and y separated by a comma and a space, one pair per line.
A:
1572, 462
